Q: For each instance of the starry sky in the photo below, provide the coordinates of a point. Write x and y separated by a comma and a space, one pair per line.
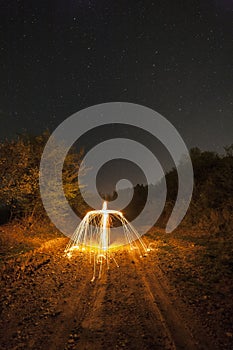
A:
176, 57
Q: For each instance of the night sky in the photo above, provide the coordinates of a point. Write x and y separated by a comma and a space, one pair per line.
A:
176, 57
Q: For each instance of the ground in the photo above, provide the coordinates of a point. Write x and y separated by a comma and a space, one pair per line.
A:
177, 297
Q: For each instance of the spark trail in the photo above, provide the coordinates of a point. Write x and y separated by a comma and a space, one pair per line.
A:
94, 236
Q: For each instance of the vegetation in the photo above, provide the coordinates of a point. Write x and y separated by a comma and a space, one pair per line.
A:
19, 168
212, 202
211, 207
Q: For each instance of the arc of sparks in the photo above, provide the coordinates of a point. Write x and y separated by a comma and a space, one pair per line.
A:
94, 233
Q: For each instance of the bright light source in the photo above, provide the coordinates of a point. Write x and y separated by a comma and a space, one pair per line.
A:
94, 232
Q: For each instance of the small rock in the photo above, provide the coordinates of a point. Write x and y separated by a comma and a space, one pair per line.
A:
229, 334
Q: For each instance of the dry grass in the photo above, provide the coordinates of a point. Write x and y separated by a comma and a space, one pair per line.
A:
15, 239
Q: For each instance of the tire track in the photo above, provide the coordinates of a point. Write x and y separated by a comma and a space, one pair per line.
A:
158, 301
184, 330
121, 315
131, 307
80, 314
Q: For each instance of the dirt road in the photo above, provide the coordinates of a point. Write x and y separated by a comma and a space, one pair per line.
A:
48, 302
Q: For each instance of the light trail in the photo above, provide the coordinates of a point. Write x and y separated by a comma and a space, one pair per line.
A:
94, 235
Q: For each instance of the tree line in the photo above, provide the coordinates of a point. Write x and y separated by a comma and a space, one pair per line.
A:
19, 169
211, 207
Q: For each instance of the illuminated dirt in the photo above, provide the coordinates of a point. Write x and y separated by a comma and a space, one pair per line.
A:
48, 302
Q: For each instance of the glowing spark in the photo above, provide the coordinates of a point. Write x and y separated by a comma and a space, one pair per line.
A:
105, 228
94, 232
105, 204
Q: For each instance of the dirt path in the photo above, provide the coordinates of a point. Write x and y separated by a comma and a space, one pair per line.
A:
48, 302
